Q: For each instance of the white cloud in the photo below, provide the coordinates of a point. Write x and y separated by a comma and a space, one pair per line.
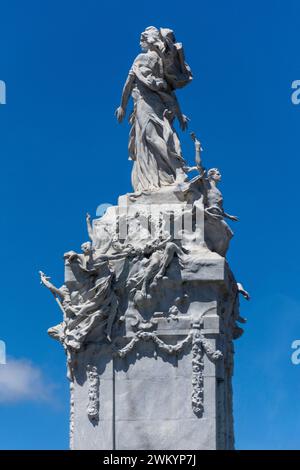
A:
21, 380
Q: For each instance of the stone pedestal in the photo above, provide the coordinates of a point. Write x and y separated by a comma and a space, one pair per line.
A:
166, 385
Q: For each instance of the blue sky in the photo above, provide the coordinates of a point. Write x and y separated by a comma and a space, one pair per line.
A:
62, 154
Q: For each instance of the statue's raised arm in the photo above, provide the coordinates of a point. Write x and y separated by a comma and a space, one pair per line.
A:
45, 280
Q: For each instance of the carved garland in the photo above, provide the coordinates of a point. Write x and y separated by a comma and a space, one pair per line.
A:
197, 376
145, 335
93, 392
200, 346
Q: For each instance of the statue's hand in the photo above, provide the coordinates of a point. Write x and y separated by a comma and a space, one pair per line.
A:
88, 217
43, 277
183, 122
120, 113
242, 291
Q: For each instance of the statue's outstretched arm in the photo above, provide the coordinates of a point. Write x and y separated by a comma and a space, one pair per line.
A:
46, 282
121, 110
231, 217
243, 291
198, 149
89, 226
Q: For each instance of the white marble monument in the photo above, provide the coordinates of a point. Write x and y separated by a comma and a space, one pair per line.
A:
150, 307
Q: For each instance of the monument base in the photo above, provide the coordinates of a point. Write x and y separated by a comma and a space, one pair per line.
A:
167, 387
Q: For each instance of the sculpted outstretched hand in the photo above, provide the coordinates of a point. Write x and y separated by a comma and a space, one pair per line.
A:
233, 217
120, 113
243, 291
44, 278
183, 122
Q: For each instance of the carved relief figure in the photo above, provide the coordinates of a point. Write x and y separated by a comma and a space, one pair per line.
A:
157, 257
87, 300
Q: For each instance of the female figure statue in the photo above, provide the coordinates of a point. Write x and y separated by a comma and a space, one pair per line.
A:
153, 144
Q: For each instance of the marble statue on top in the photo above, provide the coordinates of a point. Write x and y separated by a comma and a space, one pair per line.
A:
154, 145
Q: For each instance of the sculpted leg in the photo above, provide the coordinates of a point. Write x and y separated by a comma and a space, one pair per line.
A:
151, 271
169, 253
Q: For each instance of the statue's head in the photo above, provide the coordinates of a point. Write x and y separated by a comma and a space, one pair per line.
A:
214, 174
151, 39
86, 248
